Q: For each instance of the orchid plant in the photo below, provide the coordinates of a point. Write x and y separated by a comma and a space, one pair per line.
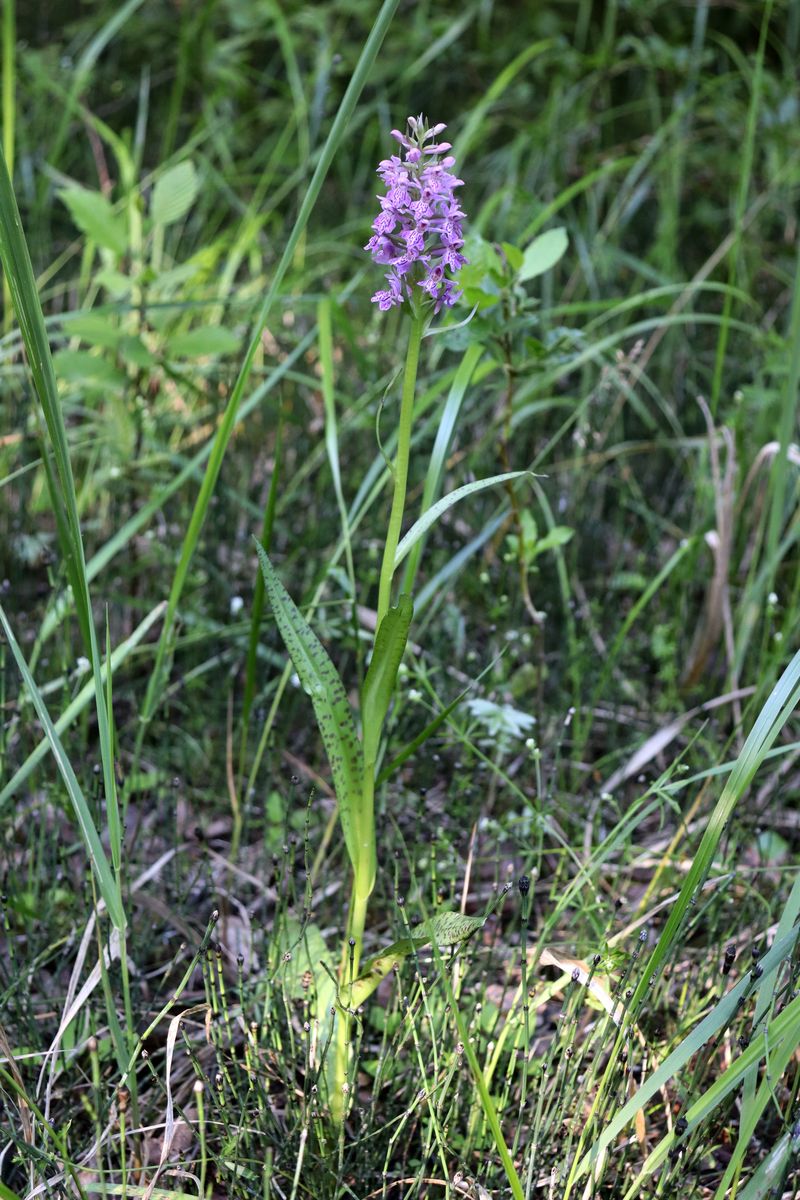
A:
418, 236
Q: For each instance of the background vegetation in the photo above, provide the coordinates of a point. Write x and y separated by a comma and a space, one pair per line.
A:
611, 640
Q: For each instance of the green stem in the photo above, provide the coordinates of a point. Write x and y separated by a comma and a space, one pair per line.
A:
400, 466
363, 879
348, 971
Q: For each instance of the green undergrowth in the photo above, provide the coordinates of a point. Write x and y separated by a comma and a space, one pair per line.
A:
578, 975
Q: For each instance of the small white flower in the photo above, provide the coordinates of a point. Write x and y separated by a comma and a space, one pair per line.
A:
237, 604
82, 665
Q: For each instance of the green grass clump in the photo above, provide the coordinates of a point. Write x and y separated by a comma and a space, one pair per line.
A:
541, 938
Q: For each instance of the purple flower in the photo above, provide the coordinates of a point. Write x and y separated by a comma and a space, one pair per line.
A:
418, 233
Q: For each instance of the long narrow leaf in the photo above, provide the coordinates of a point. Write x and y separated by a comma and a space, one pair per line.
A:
421, 527
379, 684
771, 1171
125, 534
19, 274
778, 1043
321, 681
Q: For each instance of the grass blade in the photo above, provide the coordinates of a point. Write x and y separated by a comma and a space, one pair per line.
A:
22, 285
331, 428
774, 715
720, 1015
778, 1044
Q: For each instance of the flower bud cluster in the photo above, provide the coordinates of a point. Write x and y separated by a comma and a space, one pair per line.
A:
418, 232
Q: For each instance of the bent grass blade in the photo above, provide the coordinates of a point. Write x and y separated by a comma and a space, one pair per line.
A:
421, 527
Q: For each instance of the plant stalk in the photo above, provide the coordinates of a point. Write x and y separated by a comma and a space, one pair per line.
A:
363, 881
348, 972
400, 466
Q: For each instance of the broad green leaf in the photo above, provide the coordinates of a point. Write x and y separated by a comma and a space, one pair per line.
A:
543, 253
207, 340
174, 193
132, 350
320, 680
421, 527
87, 370
94, 214
95, 328
514, 256
480, 298
483, 261
559, 535
445, 929
98, 329
116, 284
379, 684
105, 880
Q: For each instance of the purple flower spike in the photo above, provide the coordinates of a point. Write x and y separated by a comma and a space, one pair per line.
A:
418, 233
